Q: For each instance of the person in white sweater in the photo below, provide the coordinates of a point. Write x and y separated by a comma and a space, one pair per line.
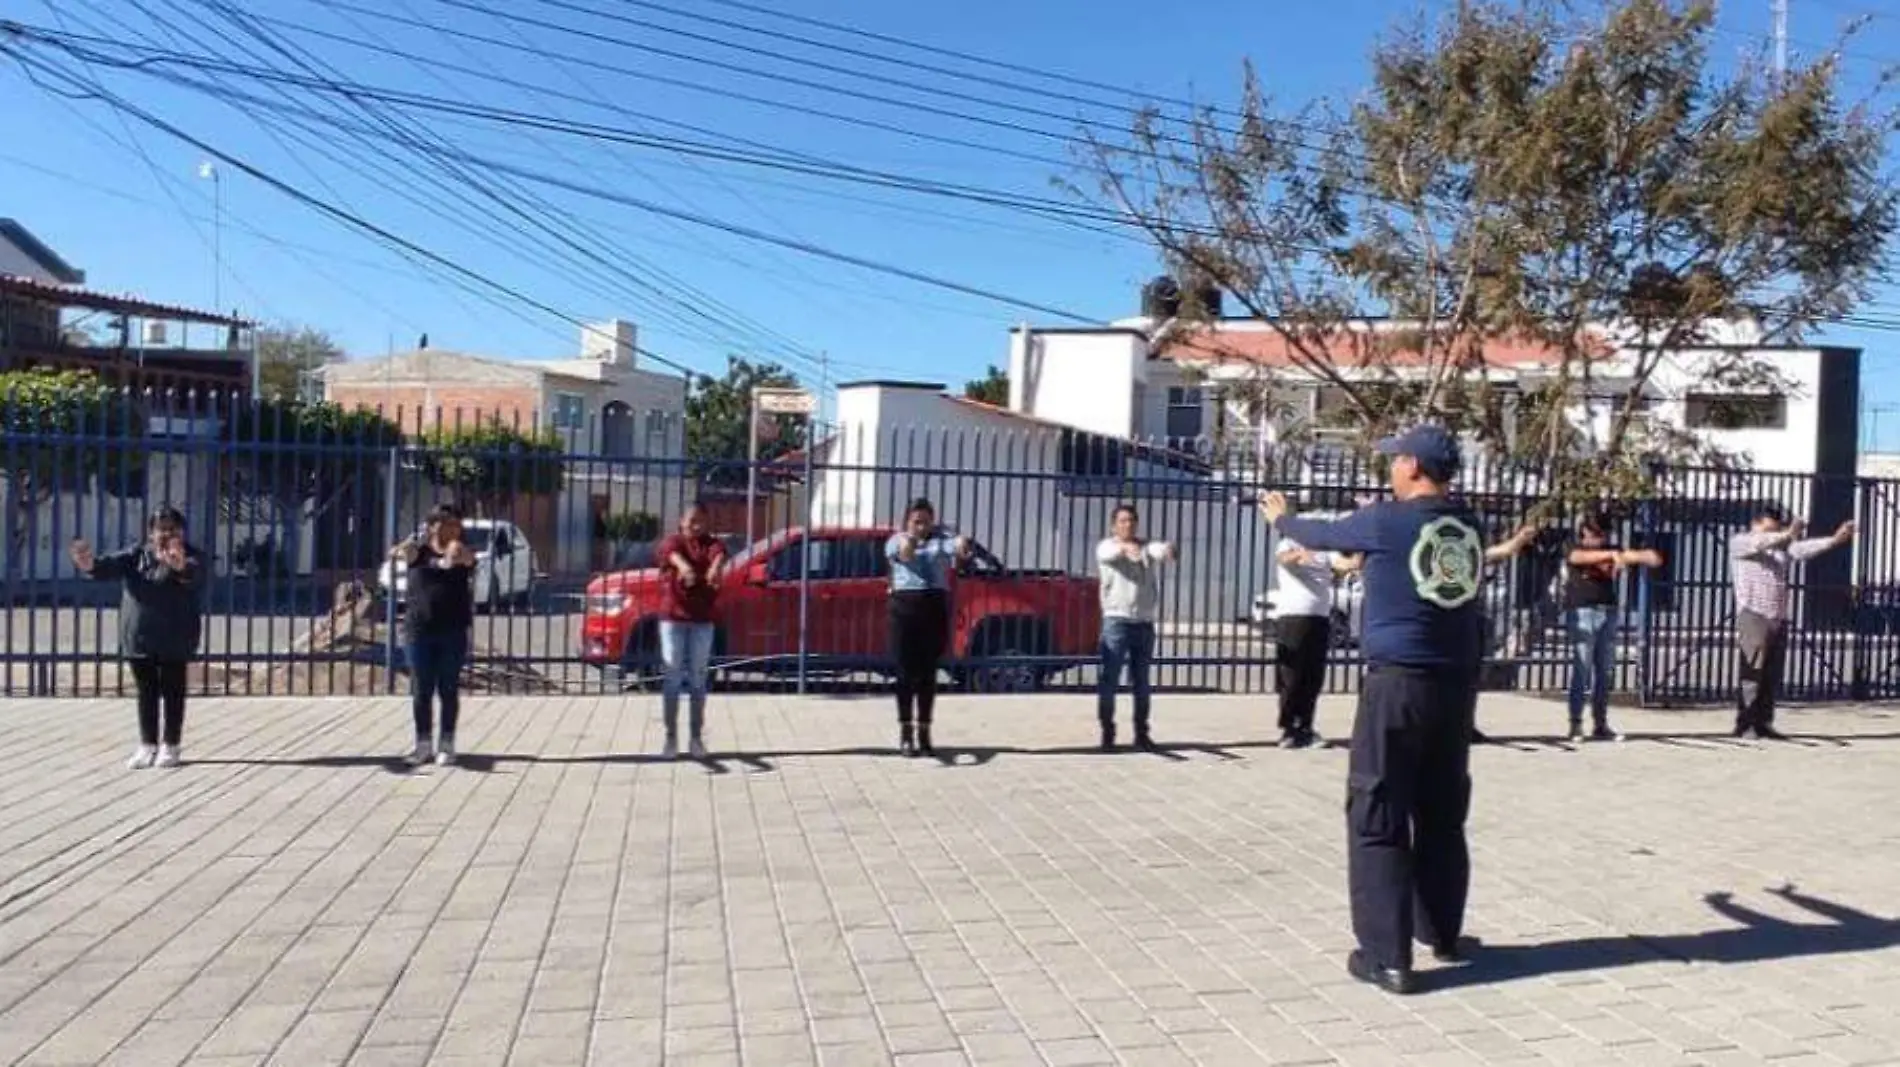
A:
1130, 594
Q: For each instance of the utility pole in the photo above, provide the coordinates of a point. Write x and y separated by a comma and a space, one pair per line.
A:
208, 171
1781, 39
824, 387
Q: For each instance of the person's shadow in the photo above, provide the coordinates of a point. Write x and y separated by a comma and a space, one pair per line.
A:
1758, 938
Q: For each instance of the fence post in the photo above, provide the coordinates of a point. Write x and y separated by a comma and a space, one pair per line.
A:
391, 486
804, 566
1645, 648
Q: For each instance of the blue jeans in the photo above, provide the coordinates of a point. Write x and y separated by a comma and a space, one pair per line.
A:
1593, 651
1125, 641
686, 648
435, 671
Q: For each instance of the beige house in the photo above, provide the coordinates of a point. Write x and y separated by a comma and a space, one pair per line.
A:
623, 427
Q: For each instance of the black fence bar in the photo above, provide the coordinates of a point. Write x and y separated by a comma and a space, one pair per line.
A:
295, 508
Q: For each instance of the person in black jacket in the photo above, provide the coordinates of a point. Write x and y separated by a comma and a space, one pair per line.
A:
438, 616
161, 616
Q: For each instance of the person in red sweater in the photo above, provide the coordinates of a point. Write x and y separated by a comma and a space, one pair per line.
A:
693, 563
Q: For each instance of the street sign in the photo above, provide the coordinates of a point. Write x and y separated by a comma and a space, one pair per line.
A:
785, 402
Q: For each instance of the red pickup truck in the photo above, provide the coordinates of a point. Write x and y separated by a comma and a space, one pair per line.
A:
1010, 629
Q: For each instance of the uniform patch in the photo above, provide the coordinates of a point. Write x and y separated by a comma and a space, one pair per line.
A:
1447, 562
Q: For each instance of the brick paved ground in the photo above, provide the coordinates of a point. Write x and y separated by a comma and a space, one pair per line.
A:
288, 898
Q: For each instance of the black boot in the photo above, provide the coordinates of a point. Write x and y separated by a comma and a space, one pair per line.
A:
1143, 740
906, 739
1108, 736
924, 747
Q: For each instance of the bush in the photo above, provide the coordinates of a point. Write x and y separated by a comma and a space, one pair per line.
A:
629, 527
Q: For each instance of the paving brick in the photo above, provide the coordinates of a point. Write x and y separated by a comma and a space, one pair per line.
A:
845, 907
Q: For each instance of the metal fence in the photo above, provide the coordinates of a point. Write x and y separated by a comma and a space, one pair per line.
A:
295, 510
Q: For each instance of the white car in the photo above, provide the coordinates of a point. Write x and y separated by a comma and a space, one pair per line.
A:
1349, 609
504, 565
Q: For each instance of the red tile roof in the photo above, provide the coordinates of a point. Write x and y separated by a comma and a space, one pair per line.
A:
1349, 348
76, 296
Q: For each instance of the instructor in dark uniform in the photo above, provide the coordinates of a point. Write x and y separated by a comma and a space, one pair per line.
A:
1409, 789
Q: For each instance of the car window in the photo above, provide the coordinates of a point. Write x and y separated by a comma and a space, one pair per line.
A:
863, 557
833, 558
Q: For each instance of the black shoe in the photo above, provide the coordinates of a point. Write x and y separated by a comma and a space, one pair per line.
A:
1458, 951
1769, 733
1604, 732
924, 746
1143, 741
1395, 980
1742, 730
1289, 739
1108, 737
906, 740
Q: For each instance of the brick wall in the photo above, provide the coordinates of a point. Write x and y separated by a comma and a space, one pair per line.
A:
419, 404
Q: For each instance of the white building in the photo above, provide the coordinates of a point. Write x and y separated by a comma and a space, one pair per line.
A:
897, 441
1113, 380
1097, 415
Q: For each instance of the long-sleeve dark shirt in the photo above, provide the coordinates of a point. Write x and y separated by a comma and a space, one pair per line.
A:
1424, 567
161, 610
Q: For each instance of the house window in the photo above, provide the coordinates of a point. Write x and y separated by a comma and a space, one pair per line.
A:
1186, 410
570, 412
1736, 411
658, 433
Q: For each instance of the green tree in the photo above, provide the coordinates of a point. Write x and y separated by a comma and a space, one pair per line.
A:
1586, 179
717, 413
62, 428
285, 354
992, 388
298, 458
491, 464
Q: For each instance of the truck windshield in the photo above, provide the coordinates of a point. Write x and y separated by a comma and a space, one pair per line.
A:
741, 559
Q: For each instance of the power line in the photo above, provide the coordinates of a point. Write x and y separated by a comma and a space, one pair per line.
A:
360, 223
417, 140
155, 57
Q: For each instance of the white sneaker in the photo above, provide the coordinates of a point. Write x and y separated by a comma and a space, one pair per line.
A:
142, 757
423, 755
670, 750
696, 748
445, 753
167, 756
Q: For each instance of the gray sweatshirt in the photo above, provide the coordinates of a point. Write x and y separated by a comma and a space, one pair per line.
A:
1131, 589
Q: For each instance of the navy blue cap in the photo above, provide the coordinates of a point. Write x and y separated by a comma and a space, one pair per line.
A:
1435, 449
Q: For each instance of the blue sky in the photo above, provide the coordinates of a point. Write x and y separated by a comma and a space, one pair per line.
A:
126, 204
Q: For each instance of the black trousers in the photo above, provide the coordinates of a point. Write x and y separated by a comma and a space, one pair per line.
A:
1299, 668
920, 627
161, 686
1764, 648
1408, 794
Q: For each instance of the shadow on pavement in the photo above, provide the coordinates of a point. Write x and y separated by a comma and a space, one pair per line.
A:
962, 756
1758, 938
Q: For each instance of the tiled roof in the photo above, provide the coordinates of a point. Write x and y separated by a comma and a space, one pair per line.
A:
73, 296
1267, 347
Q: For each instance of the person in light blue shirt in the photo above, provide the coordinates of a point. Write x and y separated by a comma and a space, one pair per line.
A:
922, 556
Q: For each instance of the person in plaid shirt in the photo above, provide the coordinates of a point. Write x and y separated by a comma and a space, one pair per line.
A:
1759, 561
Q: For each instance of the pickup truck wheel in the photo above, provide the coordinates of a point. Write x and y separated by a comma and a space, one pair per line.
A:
1006, 640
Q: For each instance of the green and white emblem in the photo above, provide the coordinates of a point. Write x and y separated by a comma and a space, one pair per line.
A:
1447, 562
